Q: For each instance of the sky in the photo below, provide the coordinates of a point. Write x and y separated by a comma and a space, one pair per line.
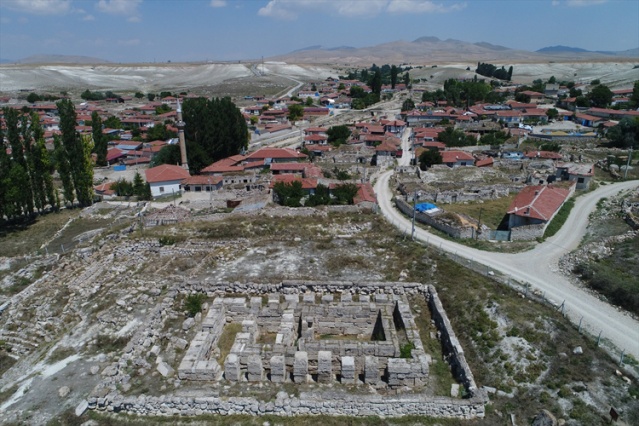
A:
199, 30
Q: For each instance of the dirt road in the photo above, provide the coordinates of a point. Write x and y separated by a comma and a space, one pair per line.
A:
539, 266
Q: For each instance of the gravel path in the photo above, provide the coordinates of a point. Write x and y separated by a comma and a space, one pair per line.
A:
539, 266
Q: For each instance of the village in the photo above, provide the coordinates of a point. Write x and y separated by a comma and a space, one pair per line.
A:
274, 281
537, 149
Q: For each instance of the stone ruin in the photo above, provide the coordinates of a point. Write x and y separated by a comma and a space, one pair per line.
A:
324, 338
306, 337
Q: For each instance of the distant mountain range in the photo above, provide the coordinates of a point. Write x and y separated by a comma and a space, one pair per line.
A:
419, 51
432, 49
56, 59
566, 49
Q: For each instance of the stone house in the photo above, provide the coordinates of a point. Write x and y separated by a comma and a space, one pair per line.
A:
580, 173
166, 179
537, 205
457, 158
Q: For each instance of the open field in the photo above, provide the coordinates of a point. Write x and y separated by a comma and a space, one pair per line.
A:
522, 348
249, 76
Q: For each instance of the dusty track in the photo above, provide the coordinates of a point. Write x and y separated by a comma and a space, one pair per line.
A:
539, 267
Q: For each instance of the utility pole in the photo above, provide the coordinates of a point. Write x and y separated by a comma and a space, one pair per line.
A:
625, 174
412, 235
479, 224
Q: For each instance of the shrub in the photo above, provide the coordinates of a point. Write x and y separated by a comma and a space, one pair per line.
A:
166, 241
406, 350
193, 304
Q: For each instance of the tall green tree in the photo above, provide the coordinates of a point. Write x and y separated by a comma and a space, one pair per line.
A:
19, 179
376, 82
100, 143
625, 134
37, 161
64, 170
215, 129
393, 76
78, 153
408, 105
634, 98
5, 166
112, 122
338, 135
429, 158
295, 112
452, 137
407, 79
600, 96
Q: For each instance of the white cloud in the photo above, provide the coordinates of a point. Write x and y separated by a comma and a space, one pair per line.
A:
291, 9
422, 6
88, 18
128, 8
365, 9
4, 20
38, 7
218, 3
578, 3
131, 42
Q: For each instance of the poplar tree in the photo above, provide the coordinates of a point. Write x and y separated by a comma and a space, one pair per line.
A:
99, 139
64, 170
5, 165
19, 189
78, 149
393, 76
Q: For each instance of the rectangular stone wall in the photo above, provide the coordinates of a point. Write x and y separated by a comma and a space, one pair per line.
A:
306, 404
451, 344
455, 232
527, 232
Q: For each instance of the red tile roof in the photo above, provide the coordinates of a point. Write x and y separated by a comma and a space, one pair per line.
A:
114, 154
315, 138
289, 166
307, 183
165, 173
547, 155
275, 153
202, 180
486, 162
538, 201
105, 188
315, 130
365, 193
455, 156
434, 144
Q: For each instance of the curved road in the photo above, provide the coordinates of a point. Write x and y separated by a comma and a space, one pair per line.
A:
539, 267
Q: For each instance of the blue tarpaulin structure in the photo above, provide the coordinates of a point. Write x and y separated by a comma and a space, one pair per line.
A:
424, 207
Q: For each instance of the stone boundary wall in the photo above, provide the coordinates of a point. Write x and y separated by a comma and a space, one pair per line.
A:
527, 232
455, 232
298, 287
451, 344
306, 404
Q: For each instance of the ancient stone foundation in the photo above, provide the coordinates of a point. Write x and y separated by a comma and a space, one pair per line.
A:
341, 334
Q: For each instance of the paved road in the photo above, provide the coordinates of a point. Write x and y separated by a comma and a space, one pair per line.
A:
539, 266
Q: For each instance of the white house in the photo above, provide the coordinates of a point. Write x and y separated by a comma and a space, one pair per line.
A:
166, 179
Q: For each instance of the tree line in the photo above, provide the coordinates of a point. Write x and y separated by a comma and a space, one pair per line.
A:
26, 176
291, 194
463, 93
490, 70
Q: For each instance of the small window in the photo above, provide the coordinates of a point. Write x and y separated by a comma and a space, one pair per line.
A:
581, 180
161, 189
